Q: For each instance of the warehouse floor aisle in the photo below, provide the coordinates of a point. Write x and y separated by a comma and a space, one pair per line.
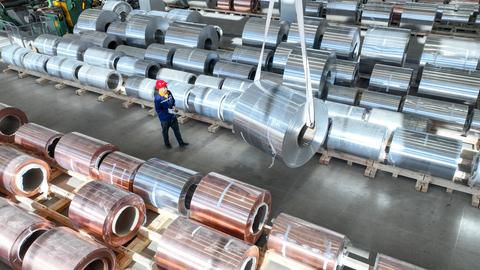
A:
436, 230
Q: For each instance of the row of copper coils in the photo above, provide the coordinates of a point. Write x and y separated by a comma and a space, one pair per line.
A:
238, 5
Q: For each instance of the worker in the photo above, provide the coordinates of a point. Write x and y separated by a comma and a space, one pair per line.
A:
165, 107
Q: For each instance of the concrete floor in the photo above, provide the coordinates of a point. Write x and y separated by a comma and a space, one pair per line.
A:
436, 230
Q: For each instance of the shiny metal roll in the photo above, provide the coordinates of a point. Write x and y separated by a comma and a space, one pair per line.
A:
225, 55
475, 121
474, 179
336, 109
176, 75
224, 4
102, 57
454, 84
206, 101
109, 213
394, 120
231, 206
431, 154
273, 77
346, 72
35, 62
280, 57
117, 29
314, 30
192, 35
254, 29
456, 16
271, 117
372, 99
14, 54
46, 44
81, 154
63, 67
340, 94
438, 110
165, 185
209, 81
183, 15
377, 14
234, 70
313, 9
119, 169
22, 174
131, 51
227, 107
418, 16
343, 40
306, 242
202, 3
390, 79
107, 79
194, 60
72, 48
95, 20
384, 262
131, 66
122, 8
343, 12
38, 139
142, 30
140, 87
186, 244
18, 230
62, 248
251, 55
101, 39
453, 52
245, 5
160, 53
11, 119
385, 46
231, 84
180, 91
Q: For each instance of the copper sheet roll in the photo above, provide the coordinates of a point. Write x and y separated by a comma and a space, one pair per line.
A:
119, 169
62, 248
107, 212
38, 138
230, 206
17, 230
82, 154
307, 243
186, 244
245, 5
224, 4
11, 119
22, 174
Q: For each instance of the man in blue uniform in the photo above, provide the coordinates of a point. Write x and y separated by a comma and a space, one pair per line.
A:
165, 107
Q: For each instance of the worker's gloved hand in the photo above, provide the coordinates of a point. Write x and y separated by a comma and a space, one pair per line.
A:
175, 109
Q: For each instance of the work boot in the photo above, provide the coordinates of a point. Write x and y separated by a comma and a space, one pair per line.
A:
168, 145
183, 144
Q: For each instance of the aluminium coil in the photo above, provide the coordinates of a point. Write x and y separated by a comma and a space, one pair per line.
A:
122, 8
418, 17
225, 55
336, 109
475, 121
131, 66
227, 107
63, 67
456, 17
274, 77
343, 11
358, 138
206, 101
36, 62
231, 84
14, 54
194, 60
46, 44
183, 15
394, 120
139, 87
209, 81
313, 9
377, 14
99, 77
117, 29
254, 29
340, 94
271, 117
176, 75
251, 55
474, 179
131, 51
142, 30
102, 57
431, 154
385, 46
101, 39
390, 79
280, 57
314, 30
347, 72
192, 35
72, 48
95, 20
373, 99
180, 92
160, 53
343, 40
234, 70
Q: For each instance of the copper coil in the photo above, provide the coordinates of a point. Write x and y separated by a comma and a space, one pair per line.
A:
11, 119
384, 262
38, 139
224, 4
245, 5
119, 169
307, 243
18, 230
82, 154
107, 212
22, 174
62, 248
231, 206
186, 244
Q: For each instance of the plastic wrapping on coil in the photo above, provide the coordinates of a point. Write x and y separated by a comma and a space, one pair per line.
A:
205, 101
346, 72
160, 53
63, 67
336, 109
231, 84
343, 12
95, 20
345, 95
46, 44
101, 39
192, 35
107, 212
72, 48
131, 51
186, 244
81, 154
165, 185
377, 14
292, 238
140, 87
62, 248
142, 30
254, 29
250, 55
390, 79
384, 262
38, 139
99, 77
343, 40
131, 66
35, 62
234, 70
14, 54
122, 8
314, 30
117, 29
11, 119
102, 57
418, 16
227, 107
209, 81
372, 99
194, 60
17, 229
176, 75
119, 169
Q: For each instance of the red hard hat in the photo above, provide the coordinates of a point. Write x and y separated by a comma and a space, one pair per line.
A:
161, 84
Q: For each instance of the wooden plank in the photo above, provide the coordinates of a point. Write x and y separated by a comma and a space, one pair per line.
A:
103, 98
42, 81
59, 86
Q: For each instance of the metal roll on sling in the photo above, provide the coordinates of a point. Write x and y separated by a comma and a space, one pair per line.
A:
35, 62
142, 30
358, 138
254, 29
131, 51
271, 117
313, 9
390, 79
194, 60
38, 139
314, 30
292, 238
99, 77
206, 101
346, 72
231, 206
394, 120
377, 14
131, 66
418, 16
209, 81
46, 44
234, 70
140, 87
231, 84
165, 185
14, 54
101, 39
117, 29
72, 48
109, 213
160, 53
343, 40
454, 84
186, 244
63, 67
343, 12
122, 8
62, 248
384, 262
192, 35
227, 107
372, 99
102, 57
345, 95
22, 174
119, 169
180, 92
11, 119
18, 230
438, 110
81, 154
95, 20
431, 154
336, 109
250, 55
